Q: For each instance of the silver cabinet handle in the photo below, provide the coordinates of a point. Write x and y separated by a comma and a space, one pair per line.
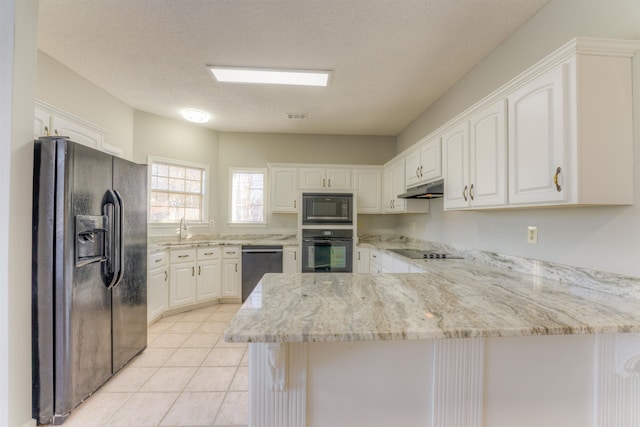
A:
166, 275
329, 183
294, 204
236, 267
323, 182
464, 193
199, 270
183, 256
421, 174
193, 271
471, 192
158, 260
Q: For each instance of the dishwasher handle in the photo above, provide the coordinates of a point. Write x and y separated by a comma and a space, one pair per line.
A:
261, 251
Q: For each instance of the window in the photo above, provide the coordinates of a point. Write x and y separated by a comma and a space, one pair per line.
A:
177, 190
247, 196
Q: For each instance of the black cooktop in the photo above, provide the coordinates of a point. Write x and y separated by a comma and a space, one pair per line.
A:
421, 254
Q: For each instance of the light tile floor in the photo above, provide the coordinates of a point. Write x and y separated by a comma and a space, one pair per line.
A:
187, 376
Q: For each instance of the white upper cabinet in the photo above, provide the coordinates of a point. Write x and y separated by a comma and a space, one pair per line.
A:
49, 121
424, 163
571, 130
320, 178
456, 154
476, 159
368, 186
488, 156
394, 184
536, 140
569, 137
284, 189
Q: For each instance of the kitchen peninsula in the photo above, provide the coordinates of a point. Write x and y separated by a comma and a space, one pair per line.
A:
465, 344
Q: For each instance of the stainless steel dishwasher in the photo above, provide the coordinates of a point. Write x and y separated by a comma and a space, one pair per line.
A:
256, 261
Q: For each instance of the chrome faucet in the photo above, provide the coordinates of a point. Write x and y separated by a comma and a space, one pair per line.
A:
183, 228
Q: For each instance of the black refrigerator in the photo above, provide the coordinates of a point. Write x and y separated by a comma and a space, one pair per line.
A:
89, 281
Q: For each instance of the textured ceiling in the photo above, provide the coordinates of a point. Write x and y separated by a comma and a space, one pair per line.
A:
391, 59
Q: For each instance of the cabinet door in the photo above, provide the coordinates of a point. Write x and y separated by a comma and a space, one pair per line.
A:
412, 168
362, 260
209, 280
284, 189
398, 187
488, 161
456, 155
387, 202
77, 133
157, 293
311, 178
536, 140
431, 161
338, 178
368, 189
290, 260
231, 278
182, 286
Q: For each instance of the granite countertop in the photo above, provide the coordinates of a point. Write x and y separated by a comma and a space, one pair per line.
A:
160, 244
454, 299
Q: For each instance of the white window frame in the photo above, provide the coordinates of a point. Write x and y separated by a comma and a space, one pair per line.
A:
205, 194
265, 199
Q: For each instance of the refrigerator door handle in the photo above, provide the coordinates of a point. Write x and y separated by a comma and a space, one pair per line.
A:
111, 268
119, 243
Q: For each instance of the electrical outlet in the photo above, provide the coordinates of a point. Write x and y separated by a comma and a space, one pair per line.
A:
532, 235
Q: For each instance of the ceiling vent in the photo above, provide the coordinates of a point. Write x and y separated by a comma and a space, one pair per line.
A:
297, 116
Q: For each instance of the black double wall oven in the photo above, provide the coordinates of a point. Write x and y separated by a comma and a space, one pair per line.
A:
327, 232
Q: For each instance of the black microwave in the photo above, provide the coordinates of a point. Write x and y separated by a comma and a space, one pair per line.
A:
327, 208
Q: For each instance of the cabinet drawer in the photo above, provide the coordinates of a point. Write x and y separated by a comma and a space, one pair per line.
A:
209, 253
183, 255
157, 260
231, 252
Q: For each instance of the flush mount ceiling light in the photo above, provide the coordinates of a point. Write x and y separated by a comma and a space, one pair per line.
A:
196, 116
270, 76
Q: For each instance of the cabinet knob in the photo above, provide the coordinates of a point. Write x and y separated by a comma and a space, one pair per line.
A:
555, 179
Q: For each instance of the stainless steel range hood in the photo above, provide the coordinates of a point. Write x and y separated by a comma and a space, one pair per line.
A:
432, 190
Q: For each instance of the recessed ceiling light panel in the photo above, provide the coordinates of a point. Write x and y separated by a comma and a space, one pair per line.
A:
196, 116
270, 76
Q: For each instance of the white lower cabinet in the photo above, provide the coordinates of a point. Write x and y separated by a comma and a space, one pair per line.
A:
232, 273
290, 262
157, 285
209, 279
375, 262
182, 278
362, 260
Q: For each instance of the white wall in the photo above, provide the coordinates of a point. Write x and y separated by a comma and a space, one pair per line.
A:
16, 404
600, 238
257, 149
162, 137
63, 88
